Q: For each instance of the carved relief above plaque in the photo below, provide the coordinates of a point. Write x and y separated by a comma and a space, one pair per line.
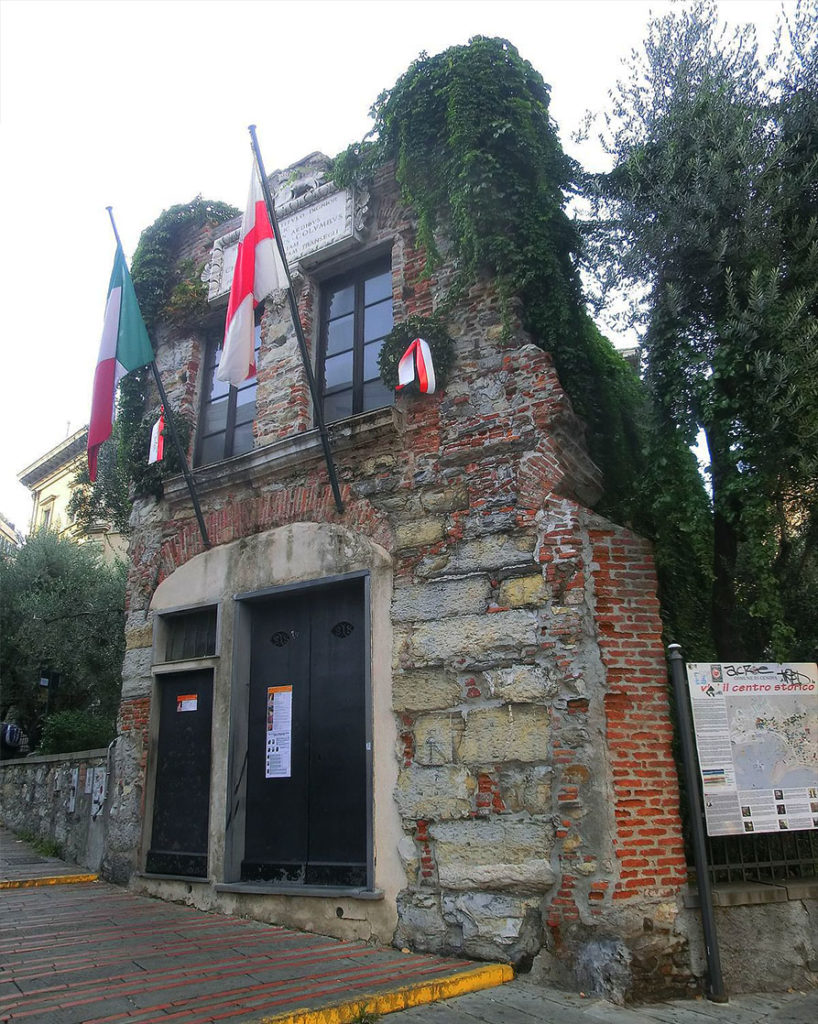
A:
318, 223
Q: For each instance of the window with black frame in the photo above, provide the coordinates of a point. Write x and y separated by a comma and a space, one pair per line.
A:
227, 415
356, 316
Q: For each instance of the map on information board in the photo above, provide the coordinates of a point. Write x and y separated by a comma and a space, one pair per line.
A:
757, 738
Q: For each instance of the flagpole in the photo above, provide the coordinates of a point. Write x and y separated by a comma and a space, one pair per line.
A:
299, 331
191, 486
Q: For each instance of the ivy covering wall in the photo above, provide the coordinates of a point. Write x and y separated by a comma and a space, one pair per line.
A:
478, 158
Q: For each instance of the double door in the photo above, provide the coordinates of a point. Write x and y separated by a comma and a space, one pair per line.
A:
307, 778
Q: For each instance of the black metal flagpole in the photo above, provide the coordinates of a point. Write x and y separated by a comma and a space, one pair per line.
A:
299, 331
191, 486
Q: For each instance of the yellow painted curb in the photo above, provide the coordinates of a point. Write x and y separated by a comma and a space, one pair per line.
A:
30, 883
417, 994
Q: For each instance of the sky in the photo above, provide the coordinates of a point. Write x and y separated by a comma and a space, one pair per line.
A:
143, 104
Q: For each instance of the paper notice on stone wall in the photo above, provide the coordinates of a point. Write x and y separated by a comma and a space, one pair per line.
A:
279, 731
757, 738
98, 792
73, 786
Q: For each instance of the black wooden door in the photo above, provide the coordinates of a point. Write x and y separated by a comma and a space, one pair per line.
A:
181, 800
310, 827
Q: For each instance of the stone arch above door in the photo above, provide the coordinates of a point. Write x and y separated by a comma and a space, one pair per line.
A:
288, 554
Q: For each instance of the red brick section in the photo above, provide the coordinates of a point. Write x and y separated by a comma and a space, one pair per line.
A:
134, 717
489, 797
428, 868
648, 839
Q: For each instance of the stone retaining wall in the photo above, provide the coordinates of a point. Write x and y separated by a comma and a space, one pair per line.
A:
54, 797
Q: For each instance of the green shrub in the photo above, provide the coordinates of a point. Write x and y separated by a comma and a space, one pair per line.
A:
67, 731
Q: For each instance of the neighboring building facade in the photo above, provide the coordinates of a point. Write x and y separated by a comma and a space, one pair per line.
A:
10, 536
51, 482
438, 718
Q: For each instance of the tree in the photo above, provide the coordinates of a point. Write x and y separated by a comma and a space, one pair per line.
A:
711, 207
61, 618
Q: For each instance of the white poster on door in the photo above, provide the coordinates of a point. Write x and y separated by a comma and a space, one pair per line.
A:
279, 731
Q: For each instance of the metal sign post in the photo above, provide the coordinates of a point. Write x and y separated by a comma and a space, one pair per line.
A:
716, 991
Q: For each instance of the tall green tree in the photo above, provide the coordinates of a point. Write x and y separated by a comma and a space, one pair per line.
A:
61, 618
710, 208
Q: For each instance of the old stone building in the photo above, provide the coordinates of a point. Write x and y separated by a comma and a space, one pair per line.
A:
463, 668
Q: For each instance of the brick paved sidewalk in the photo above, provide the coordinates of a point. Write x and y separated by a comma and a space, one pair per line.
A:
94, 953
20, 865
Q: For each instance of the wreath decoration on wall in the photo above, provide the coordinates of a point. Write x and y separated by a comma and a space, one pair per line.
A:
433, 331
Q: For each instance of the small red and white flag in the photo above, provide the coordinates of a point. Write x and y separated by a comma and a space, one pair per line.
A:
157, 449
259, 271
418, 353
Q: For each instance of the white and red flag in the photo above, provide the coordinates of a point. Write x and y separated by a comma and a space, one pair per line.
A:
258, 272
125, 346
417, 354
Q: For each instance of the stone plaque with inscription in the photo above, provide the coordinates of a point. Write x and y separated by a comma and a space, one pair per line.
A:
324, 221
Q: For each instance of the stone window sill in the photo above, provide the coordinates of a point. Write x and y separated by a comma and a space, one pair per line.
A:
332, 892
189, 879
295, 449
185, 665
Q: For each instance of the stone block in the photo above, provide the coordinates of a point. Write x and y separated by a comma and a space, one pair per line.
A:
435, 793
520, 682
515, 732
444, 499
495, 926
408, 853
437, 738
524, 592
382, 463
419, 533
494, 552
603, 968
429, 690
526, 788
141, 636
495, 853
425, 601
136, 673
471, 637
421, 925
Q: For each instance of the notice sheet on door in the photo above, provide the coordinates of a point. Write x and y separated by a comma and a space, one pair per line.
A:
279, 731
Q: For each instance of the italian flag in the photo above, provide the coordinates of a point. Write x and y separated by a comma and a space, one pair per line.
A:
125, 346
258, 272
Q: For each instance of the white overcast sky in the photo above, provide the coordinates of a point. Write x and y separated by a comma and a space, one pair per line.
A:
142, 105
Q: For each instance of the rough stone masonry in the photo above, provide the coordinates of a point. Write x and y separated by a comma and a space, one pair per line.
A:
535, 789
